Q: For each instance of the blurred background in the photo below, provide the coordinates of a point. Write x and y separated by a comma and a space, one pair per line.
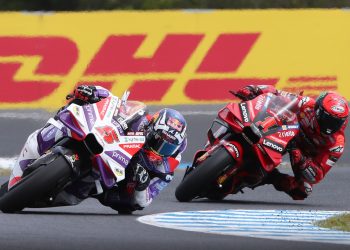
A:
81, 5
178, 53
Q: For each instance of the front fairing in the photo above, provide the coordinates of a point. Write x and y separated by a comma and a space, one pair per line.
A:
108, 121
267, 123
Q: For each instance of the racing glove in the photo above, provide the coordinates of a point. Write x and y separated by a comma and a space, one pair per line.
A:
247, 93
311, 172
304, 168
85, 93
141, 177
302, 191
296, 158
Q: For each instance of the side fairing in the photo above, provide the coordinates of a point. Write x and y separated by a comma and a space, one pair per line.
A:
102, 120
271, 118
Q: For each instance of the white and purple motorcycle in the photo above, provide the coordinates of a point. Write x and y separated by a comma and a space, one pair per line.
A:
95, 140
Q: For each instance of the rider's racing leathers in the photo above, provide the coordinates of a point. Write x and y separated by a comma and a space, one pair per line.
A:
314, 153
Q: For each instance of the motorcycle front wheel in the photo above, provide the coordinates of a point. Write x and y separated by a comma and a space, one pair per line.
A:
204, 175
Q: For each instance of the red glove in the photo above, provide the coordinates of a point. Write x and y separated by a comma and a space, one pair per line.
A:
85, 93
247, 93
311, 172
296, 158
302, 191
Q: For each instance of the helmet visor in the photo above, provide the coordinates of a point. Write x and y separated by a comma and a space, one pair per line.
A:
328, 123
160, 146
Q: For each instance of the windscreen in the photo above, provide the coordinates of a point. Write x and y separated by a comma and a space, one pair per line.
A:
273, 111
128, 113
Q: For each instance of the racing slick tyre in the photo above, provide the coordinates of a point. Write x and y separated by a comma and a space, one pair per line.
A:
3, 188
200, 178
37, 184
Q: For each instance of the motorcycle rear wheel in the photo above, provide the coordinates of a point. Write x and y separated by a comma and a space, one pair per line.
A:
202, 177
36, 185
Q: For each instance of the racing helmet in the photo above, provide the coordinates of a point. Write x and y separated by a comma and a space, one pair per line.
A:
331, 111
166, 132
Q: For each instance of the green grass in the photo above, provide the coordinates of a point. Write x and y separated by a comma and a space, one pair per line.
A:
339, 222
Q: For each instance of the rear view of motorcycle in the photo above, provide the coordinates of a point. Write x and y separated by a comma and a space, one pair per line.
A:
246, 141
94, 141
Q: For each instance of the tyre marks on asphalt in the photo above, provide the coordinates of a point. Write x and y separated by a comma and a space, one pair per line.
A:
296, 225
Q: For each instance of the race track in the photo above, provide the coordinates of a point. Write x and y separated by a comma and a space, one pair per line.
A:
92, 226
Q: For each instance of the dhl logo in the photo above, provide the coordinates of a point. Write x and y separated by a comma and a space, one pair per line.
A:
34, 67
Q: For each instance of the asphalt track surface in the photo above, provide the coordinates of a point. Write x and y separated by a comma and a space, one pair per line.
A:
89, 225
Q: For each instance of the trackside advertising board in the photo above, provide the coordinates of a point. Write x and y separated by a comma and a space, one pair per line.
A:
171, 57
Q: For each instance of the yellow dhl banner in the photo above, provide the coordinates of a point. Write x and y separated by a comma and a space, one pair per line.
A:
171, 57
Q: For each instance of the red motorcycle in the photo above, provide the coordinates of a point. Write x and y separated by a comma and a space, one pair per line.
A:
245, 143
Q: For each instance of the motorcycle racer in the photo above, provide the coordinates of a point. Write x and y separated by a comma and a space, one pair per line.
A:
149, 171
319, 144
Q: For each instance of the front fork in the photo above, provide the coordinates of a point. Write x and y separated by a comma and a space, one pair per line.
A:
233, 148
236, 151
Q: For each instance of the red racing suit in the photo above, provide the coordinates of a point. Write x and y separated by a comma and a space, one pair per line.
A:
314, 153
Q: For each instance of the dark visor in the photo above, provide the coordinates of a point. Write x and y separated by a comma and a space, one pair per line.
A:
161, 146
328, 123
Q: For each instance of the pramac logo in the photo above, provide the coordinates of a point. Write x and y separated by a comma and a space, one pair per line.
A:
116, 57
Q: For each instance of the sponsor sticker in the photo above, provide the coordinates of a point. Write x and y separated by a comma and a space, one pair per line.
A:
119, 157
72, 158
102, 106
338, 109
274, 146
90, 115
131, 148
175, 124
233, 148
122, 123
331, 163
130, 133
303, 101
289, 133
118, 172
259, 102
108, 134
244, 111
337, 149
132, 139
293, 127
112, 107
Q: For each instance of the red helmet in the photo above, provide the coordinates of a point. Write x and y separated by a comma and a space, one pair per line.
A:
331, 111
